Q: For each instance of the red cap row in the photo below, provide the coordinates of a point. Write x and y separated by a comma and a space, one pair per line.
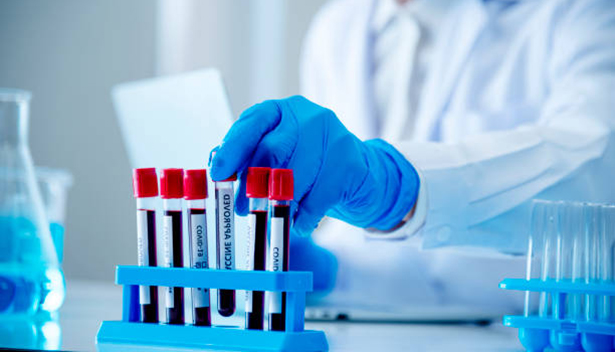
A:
174, 183
262, 182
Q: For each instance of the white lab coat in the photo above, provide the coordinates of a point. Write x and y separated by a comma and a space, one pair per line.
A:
519, 103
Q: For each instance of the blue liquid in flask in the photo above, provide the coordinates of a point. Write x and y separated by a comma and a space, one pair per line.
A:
27, 283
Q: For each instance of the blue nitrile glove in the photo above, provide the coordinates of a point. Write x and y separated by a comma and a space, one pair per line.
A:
367, 184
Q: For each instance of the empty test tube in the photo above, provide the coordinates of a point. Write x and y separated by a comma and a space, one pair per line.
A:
534, 257
145, 184
172, 192
573, 231
593, 219
549, 249
280, 196
606, 261
195, 193
257, 191
225, 239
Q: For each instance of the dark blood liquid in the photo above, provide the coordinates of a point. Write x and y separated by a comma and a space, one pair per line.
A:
202, 315
175, 315
149, 312
254, 320
226, 298
226, 302
277, 321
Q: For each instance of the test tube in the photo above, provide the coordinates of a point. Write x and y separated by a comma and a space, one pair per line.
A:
195, 193
225, 239
593, 218
280, 196
145, 185
606, 260
574, 237
257, 191
549, 256
534, 256
172, 191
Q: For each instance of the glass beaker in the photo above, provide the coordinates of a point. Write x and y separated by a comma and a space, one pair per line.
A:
30, 276
54, 185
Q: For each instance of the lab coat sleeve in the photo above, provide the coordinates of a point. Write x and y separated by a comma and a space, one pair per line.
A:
472, 182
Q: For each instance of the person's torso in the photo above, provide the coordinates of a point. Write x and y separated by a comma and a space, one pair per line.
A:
488, 72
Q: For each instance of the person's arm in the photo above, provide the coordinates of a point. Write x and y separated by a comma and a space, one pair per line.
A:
365, 183
471, 183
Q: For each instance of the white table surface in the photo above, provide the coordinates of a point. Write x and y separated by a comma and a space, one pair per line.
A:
89, 303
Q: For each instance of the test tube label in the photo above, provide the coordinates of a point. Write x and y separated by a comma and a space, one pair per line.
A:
250, 255
143, 255
226, 229
250, 241
167, 226
198, 223
276, 260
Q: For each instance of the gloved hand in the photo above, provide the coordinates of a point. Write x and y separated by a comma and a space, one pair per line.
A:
367, 184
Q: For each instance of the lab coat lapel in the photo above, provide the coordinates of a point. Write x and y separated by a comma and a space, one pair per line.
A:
394, 126
464, 24
358, 72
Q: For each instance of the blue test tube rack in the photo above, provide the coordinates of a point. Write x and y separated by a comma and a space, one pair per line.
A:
131, 332
559, 331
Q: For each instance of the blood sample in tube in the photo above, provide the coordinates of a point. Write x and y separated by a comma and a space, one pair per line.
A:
225, 239
145, 184
195, 193
257, 191
172, 192
280, 195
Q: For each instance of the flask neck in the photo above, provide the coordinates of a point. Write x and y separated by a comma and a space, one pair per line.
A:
14, 110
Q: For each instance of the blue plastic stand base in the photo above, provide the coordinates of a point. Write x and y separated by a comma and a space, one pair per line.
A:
130, 334
208, 338
537, 333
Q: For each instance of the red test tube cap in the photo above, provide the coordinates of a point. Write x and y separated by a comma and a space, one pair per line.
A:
257, 184
172, 183
195, 184
281, 184
145, 182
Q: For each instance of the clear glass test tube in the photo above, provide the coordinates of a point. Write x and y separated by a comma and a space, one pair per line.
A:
195, 193
593, 219
534, 257
574, 233
563, 257
550, 253
606, 260
172, 192
225, 239
257, 191
145, 182
280, 196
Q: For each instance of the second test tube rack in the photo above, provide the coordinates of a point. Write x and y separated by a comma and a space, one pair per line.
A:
131, 332
558, 329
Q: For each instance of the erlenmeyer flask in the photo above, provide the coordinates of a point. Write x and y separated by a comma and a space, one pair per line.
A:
30, 276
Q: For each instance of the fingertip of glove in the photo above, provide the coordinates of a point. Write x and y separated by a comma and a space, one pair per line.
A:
241, 205
217, 165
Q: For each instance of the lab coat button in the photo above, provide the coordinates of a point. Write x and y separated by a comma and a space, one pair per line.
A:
444, 234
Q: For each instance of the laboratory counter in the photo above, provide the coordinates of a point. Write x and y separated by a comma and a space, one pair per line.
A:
88, 303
